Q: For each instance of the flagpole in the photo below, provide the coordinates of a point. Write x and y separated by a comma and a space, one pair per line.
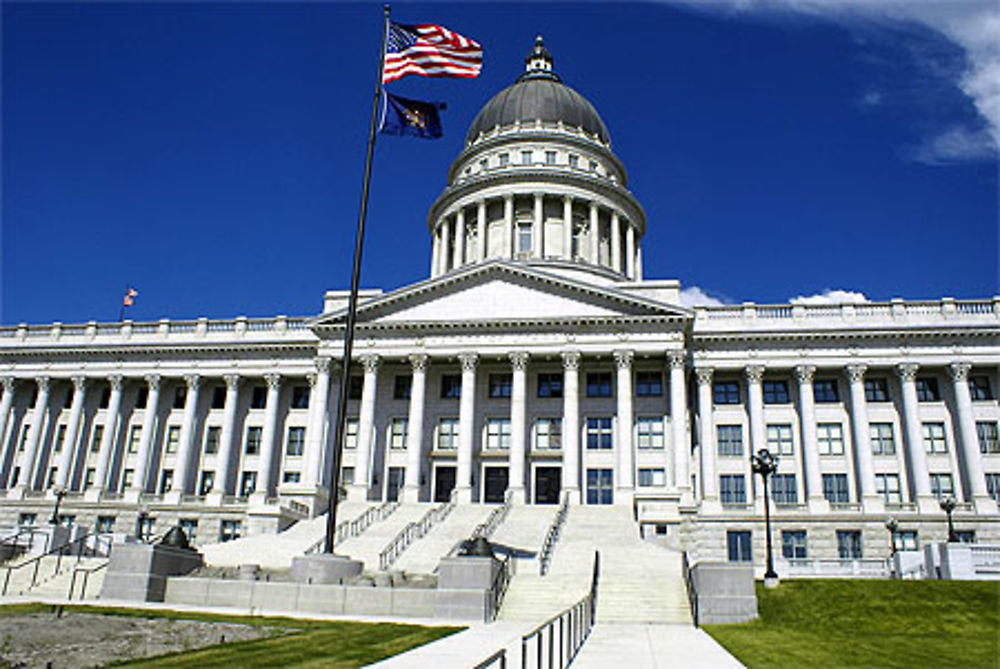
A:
352, 307
121, 312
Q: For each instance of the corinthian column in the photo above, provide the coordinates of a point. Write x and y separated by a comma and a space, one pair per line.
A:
6, 402
28, 460
870, 501
459, 254
538, 225
415, 428
68, 454
518, 428
110, 436
616, 242
481, 231
316, 430
975, 479
595, 235
623, 449
443, 251
567, 227
678, 425
221, 486
706, 441
139, 482
919, 474
466, 421
268, 443
810, 450
366, 422
187, 459
571, 425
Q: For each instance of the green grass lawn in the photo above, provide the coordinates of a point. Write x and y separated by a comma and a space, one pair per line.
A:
870, 623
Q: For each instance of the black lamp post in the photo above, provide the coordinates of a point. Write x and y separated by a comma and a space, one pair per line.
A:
948, 505
892, 525
765, 464
59, 492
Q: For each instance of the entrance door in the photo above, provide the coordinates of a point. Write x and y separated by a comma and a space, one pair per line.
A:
600, 486
444, 483
548, 485
496, 484
394, 483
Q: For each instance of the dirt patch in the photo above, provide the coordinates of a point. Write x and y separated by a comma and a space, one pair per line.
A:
88, 640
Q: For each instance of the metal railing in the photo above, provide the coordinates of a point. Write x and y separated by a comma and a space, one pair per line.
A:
412, 532
22, 541
86, 571
498, 588
572, 626
89, 545
486, 528
552, 536
352, 528
692, 591
498, 658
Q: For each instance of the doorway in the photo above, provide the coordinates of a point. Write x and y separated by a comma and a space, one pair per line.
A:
548, 485
495, 486
444, 483
394, 483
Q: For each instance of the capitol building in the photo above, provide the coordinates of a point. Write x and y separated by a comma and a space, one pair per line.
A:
537, 363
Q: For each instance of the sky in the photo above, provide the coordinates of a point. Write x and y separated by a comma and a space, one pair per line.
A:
211, 154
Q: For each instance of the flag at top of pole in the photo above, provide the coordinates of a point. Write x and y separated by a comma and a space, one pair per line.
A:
430, 51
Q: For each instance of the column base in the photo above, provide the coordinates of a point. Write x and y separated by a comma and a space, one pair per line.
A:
517, 495
463, 494
984, 505
873, 504
928, 504
411, 494
173, 497
818, 505
214, 498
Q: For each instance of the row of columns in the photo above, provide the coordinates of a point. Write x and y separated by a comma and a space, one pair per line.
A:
449, 252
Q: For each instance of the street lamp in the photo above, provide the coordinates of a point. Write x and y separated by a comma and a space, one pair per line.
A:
59, 492
140, 522
765, 464
948, 505
892, 525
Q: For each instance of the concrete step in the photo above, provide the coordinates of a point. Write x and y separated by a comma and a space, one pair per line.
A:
423, 556
367, 546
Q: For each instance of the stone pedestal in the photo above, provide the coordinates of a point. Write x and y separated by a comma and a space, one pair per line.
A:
324, 569
725, 592
463, 587
139, 572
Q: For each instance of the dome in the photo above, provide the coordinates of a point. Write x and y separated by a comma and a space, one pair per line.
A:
538, 95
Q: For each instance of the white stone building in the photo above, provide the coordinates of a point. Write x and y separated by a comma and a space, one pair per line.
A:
536, 359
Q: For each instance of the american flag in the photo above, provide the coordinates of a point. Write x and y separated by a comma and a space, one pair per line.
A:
430, 51
130, 295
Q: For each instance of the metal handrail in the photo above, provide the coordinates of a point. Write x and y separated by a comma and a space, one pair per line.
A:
87, 571
66, 549
552, 536
692, 591
412, 532
486, 528
15, 540
352, 528
497, 591
499, 656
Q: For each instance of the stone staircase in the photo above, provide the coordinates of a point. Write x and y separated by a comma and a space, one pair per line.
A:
423, 555
524, 531
367, 546
55, 584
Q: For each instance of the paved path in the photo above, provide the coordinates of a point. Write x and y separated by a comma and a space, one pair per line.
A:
639, 646
465, 649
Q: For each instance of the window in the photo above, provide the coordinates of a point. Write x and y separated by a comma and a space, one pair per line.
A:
887, 486
593, 165
451, 386
526, 157
147, 528
401, 387
252, 446
779, 439
173, 438
848, 544
876, 390
497, 433
934, 441
500, 385
166, 480
550, 384
291, 477
68, 398
504, 159
550, 157
258, 397
219, 397
105, 524
793, 544
649, 432
881, 438
927, 389
102, 404
835, 488
180, 397
346, 476
776, 392
826, 390
230, 530
448, 434
783, 489
988, 441
979, 388
141, 398
483, 164
733, 489
830, 439
965, 536
133, 438
726, 392
88, 477
993, 486
397, 433
574, 160
206, 483
738, 546
296, 442
599, 384
524, 237
907, 540
51, 479
128, 478
190, 528
300, 397
60, 438
248, 483
942, 486
649, 384
548, 434
351, 433
599, 433
600, 486
730, 440
652, 478
95, 438
212, 439
355, 388
26, 519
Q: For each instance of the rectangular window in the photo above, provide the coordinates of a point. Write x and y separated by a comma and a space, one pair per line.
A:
776, 392
726, 392
16, 475
848, 544
295, 444
27, 519
524, 237
779, 439
600, 486
934, 441
397, 433
738, 546
51, 479
206, 483
219, 397
784, 489
733, 489
401, 386
648, 384
105, 524
68, 399
652, 478
550, 384
166, 480
291, 477
451, 386
134, 433
830, 439
574, 160
88, 478
180, 397
230, 530
499, 385
826, 390
550, 157
793, 544
141, 398
346, 476
173, 438
95, 438
880, 435
351, 433
300, 397
729, 439
599, 384
60, 438
504, 159
966, 536
887, 486
448, 434
835, 488
526, 157
907, 540
979, 388
649, 432
988, 437
355, 388
248, 483
548, 434
258, 397
212, 439
599, 433
190, 528
102, 404
252, 446
993, 486
942, 486
128, 478
927, 389
876, 390
497, 434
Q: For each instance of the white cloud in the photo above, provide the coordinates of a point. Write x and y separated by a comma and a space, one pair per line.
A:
955, 145
831, 296
694, 296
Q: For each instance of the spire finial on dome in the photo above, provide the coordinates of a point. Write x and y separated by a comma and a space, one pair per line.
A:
538, 59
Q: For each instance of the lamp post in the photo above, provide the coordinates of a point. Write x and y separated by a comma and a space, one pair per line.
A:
59, 492
140, 523
765, 464
892, 525
948, 505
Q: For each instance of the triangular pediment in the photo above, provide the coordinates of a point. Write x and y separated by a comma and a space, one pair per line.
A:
501, 291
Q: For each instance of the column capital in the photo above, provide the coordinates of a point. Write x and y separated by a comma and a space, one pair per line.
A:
519, 360
959, 371
856, 372
9, 383
371, 363
193, 381
469, 361
311, 379
232, 381
116, 381
153, 381
322, 364
704, 375
418, 362
805, 373
571, 360
754, 373
623, 358
907, 371
677, 359
79, 383
568, 199
43, 383
273, 381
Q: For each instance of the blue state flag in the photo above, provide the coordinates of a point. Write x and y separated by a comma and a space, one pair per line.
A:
411, 117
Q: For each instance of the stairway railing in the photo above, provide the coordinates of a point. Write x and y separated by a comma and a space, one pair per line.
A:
352, 528
89, 545
498, 588
486, 528
552, 536
692, 591
87, 572
15, 545
414, 531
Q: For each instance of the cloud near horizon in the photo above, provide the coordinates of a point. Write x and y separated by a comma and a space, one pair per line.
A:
695, 296
831, 296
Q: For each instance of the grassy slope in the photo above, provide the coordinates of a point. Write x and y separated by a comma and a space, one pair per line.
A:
855, 623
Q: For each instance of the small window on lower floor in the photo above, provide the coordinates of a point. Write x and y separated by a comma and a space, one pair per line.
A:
291, 477
738, 546
26, 519
848, 544
907, 540
650, 478
230, 530
966, 536
346, 476
793, 544
190, 528
105, 524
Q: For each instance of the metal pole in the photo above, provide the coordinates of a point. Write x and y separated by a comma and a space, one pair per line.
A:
767, 522
352, 307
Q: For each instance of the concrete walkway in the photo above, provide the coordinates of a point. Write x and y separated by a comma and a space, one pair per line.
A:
640, 646
465, 649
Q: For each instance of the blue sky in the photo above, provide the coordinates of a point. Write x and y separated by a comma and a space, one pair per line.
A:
211, 154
